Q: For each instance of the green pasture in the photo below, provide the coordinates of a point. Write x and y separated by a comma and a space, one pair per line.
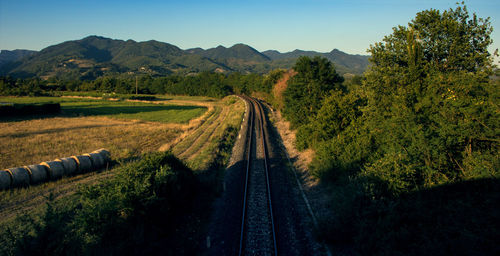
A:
71, 107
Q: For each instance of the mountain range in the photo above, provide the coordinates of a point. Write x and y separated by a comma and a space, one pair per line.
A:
95, 56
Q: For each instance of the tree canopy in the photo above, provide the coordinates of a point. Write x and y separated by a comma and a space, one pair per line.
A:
314, 80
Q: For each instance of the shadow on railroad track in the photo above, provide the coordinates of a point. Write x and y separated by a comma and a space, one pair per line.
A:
293, 228
223, 237
223, 232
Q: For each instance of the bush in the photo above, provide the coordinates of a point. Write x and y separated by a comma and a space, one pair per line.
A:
135, 212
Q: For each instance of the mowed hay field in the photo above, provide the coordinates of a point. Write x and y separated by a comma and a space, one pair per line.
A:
126, 128
35, 141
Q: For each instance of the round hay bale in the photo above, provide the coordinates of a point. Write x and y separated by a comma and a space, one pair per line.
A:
5, 179
55, 169
104, 153
20, 177
84, 163
97, 161
69, 164
38, 173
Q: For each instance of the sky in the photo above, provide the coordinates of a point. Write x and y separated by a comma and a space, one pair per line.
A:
320, 25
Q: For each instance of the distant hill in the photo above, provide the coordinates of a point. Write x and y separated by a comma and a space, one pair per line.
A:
15, 55
95, 56
238, 51
345, 63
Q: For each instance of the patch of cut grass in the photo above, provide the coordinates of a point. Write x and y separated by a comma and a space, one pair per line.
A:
34, 141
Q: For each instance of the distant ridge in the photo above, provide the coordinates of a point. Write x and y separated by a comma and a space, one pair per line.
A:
94, 56
345, 63
15, 55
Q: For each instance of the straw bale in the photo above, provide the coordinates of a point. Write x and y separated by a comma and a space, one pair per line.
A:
97, 161
38, 173
104, 153
20, 177
69, 164
55, 169
5, 180
84, 163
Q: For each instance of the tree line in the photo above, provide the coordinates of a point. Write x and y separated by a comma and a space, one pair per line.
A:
203, 84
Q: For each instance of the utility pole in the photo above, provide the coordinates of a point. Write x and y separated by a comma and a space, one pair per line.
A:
136, 85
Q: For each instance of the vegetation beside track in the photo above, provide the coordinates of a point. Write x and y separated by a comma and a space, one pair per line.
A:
65, 135
137, 211
140, 205
409, 152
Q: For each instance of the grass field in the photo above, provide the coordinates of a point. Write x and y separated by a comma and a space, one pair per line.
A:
70, 107
127, 128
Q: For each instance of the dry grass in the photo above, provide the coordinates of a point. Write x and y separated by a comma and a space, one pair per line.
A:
280, 87
206, 132
317, 193
195, 146
186, 139
233, 117
302, 158
35, 141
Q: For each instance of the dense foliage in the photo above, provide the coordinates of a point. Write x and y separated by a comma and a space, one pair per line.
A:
204, 84
136, 212
425, 115
314, 80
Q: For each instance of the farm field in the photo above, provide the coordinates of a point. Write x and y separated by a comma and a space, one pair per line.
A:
127, 128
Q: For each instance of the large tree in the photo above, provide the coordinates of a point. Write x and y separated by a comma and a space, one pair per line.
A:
430, 101
314, 80
427, 112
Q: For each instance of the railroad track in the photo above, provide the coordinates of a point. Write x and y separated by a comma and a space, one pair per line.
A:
258, 233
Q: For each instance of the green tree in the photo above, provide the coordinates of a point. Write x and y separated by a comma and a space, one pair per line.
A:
337, 112
314, 80
428, 95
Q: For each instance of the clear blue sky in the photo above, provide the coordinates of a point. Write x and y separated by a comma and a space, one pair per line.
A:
320, 25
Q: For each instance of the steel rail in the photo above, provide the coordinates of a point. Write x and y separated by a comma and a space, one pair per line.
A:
254, 106
249, 150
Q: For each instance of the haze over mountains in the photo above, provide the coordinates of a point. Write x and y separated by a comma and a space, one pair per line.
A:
95, 56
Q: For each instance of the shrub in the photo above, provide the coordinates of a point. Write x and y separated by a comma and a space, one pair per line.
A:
132, 213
